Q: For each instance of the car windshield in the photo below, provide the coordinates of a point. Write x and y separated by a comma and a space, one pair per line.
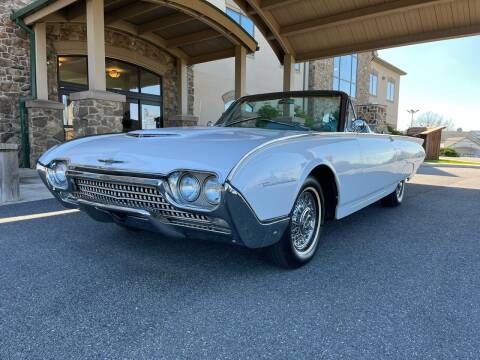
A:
300, 113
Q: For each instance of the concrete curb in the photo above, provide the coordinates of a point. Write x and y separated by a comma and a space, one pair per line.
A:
451, 165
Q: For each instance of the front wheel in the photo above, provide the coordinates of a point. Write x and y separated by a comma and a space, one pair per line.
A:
396, 197
300, 241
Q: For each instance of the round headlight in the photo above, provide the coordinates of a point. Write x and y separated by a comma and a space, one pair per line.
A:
212, 190
189, 188
57, 175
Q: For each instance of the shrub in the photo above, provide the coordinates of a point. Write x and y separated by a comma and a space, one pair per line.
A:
449, 152
393, 131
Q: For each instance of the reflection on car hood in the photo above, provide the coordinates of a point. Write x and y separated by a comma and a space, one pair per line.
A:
162, 151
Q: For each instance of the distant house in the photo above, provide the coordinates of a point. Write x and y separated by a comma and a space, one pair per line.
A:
464, 143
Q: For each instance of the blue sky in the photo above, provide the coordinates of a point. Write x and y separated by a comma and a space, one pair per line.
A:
443, 77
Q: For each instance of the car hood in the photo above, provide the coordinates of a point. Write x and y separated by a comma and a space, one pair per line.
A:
162, 151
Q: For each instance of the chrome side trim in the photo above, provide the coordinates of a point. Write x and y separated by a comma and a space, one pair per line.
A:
258, 148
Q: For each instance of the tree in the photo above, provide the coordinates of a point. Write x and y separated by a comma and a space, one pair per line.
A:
431, 119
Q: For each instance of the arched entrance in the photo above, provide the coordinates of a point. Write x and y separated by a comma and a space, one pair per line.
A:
142, 89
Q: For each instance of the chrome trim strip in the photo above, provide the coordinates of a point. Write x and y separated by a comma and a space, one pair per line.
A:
114, 178
114, 208
258, 148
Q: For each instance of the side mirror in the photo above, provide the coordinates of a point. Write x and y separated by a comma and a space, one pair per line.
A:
210, 123
360, 126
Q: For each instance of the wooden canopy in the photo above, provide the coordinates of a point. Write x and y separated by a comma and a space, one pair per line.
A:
312, 29
194, 31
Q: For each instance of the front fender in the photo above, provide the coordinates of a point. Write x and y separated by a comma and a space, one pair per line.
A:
271, 178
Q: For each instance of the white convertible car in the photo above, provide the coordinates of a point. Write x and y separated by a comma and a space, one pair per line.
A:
266, 175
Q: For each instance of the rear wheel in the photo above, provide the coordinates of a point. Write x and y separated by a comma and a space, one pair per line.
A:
300, 241
396, 197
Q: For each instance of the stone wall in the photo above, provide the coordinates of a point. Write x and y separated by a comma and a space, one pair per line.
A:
321, 76
97, 116
45, 125
375, 115
14, 71
363, 77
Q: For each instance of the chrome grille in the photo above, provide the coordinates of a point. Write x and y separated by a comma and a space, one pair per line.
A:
140, 196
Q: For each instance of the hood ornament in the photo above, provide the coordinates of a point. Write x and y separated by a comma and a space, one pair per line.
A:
110, 161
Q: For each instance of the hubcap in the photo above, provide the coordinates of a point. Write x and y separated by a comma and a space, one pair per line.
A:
400, 190
304, 221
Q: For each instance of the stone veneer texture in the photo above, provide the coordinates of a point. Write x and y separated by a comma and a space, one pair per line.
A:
14, 71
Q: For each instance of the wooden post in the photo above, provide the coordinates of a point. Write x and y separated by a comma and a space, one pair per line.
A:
182, 81
288, 64
9, 175
240, 71
96, 45
41, 61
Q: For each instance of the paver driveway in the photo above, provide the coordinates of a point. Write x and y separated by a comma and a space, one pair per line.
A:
386, 283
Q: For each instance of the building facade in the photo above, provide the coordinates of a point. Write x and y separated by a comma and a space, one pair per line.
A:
373, 83
146, 82
77, 68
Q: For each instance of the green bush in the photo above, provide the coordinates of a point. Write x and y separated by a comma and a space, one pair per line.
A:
393, 131
448, 152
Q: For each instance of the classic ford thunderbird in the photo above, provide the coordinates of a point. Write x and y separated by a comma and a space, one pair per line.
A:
268, 174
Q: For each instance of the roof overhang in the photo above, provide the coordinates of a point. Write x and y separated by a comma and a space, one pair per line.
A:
195, 31
313, 29
386, 64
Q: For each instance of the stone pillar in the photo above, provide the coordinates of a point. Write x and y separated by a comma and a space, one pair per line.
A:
182, 84
375, 115
181, 121
97, 112
45, 127
9, 175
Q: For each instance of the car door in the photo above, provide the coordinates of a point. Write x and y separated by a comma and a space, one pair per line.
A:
378, 157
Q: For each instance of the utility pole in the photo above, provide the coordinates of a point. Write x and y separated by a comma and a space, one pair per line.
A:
412, 112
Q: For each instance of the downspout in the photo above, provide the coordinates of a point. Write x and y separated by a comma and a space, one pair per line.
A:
33, 91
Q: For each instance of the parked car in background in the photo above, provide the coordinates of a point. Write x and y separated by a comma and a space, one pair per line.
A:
267, 175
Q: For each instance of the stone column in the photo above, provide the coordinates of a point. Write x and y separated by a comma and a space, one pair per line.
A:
9, 175
181, 121
97, 112
45, 126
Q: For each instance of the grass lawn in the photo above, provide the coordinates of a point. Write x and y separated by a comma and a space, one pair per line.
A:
459, 162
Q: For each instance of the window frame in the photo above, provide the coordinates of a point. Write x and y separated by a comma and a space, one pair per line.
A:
391, 90
373, 91
337, 78
240, 22
66, 88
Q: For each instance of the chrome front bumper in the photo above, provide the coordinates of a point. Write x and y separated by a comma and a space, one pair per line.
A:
141, 202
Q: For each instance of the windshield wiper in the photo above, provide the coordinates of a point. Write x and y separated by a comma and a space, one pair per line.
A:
270, 121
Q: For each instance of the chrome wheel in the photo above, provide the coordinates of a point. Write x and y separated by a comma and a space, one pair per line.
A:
305, 222
400, 190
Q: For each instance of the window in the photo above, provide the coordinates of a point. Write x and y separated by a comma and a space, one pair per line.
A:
242, 20
390, 90
297, 67
142, 88
373, 84
345, 74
